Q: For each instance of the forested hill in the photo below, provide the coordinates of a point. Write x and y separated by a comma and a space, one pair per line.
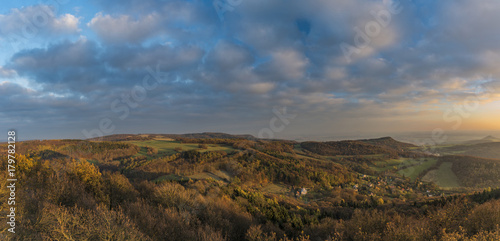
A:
389, 142
475, 171
385, 145
204, 135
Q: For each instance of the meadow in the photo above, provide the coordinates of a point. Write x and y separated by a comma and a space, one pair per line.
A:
168, 147
444, 176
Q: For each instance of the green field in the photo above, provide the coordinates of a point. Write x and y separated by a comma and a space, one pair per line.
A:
216, 175
275, 189
408, 167
386, 165
167, 147
414, 171
443, 176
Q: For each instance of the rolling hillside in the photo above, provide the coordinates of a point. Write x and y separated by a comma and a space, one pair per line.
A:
474, 171
240, 189
389, 142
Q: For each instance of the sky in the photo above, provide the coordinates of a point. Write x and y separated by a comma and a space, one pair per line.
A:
271, 68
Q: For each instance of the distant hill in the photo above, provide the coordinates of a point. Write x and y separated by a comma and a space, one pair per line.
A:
122, 137
492, 138
216, 135
487, 139
484, 150
389, 142
384, 145
333, 148
144, 137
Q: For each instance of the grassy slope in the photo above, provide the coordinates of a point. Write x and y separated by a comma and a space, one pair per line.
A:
168, 147
389, 164
275, 189
216, 175
443, 176
414, 171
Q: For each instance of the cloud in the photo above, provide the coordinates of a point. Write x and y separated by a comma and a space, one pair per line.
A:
65, 66
125, 29
227, 56
38, 20
261, 88
6, 73
289, 63
8, 88
83, 67
67, 23
170, 58
168, 20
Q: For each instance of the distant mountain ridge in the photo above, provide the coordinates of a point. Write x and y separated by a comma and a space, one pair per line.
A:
490, 137
487, 139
